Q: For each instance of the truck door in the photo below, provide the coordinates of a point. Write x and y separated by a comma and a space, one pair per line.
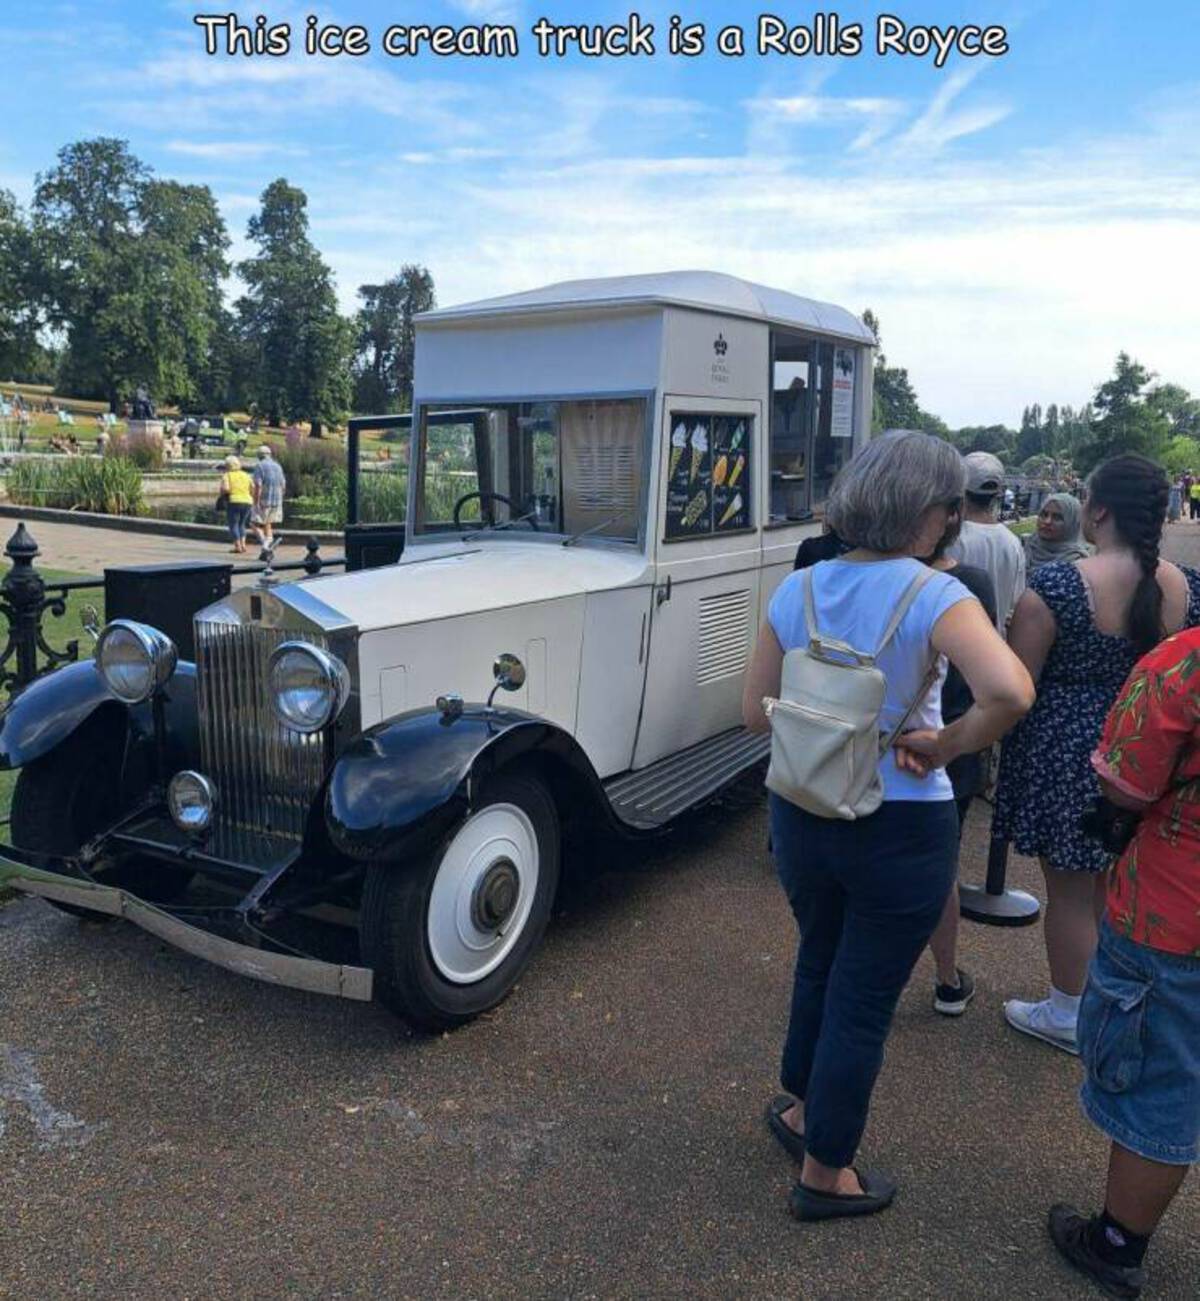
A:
708, 554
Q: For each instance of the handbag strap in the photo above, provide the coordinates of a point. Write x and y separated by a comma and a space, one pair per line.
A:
910, 594
922, 691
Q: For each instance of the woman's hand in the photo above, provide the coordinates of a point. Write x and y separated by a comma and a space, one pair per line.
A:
919, 753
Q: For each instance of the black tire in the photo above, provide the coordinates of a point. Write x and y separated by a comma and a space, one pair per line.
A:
394, 919
65, 798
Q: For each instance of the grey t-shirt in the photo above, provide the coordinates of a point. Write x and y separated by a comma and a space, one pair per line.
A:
269, 475
996, 549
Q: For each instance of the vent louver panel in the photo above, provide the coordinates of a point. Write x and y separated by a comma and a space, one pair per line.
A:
607, 479
723, 646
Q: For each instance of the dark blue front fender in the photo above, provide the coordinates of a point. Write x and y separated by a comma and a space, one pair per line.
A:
406, 783
48, 711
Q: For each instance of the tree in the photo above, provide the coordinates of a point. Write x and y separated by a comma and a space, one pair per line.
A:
1030, 440
385, 338
997, 439
19, 320
1123, 420
299, 347
1177, 404
133, 270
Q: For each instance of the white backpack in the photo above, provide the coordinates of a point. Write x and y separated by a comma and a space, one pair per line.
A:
825, 738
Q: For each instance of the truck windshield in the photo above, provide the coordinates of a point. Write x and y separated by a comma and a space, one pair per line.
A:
554, 467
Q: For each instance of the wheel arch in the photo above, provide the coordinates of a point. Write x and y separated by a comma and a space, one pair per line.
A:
53, 708
405, 784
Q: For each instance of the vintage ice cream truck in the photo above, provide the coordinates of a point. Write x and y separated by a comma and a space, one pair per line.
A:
607, 480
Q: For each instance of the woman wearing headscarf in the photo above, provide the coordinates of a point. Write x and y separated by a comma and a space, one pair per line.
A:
1059, 533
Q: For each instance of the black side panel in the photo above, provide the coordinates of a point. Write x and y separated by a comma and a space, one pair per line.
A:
407, 782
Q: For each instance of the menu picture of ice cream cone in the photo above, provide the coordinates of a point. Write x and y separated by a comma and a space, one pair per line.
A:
699, 452
732, 510
678, 445
739, 466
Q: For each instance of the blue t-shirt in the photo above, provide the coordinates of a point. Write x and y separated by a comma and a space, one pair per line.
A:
854, 601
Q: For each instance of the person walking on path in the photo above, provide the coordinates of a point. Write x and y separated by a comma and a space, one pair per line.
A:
1175, 501
1059, 533
238, 492
954, 988
1079, 629
1139, 1023
984, 542
1194, 499
867, 893
269, 487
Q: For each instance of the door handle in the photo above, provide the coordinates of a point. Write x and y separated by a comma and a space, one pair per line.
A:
662, 594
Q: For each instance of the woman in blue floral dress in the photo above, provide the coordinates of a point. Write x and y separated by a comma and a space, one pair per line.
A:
1080, 627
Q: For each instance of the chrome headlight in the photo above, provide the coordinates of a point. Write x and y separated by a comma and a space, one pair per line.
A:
191, 799
309, 687
134, 660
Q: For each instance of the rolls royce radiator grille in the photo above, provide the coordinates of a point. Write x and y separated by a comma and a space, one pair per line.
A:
266, 774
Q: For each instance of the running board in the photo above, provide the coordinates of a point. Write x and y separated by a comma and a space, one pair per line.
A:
651, 797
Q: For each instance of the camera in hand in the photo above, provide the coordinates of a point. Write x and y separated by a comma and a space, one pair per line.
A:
1111, 825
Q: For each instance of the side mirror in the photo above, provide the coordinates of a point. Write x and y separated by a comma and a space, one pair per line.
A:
509, 673
89, 621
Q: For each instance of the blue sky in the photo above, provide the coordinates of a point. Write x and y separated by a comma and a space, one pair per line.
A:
1014, 222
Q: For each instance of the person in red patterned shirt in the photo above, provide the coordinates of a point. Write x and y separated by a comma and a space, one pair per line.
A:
1139, 1022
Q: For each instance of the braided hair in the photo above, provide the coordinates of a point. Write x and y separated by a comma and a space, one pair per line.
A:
1134, 490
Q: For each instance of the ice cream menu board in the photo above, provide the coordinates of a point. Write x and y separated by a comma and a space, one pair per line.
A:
708, 474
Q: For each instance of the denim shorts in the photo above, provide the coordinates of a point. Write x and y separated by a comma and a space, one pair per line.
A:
1139, 1037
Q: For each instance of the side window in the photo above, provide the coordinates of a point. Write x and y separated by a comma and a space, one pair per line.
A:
792, 410
833, 438
708, 474
813, 389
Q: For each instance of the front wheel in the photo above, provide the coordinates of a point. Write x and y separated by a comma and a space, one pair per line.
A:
449, 936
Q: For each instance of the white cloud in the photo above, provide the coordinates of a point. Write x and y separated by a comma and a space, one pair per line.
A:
230, 150
940, 124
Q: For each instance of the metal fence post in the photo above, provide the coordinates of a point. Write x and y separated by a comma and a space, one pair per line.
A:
23, 601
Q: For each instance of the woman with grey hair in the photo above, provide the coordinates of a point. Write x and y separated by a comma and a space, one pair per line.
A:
867, 893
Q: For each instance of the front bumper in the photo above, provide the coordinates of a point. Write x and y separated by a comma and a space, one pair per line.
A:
260, 964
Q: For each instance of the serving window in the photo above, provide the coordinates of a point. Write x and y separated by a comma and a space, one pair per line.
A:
708, 474
813, 389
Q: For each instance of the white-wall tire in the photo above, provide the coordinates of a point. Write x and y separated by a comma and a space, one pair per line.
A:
448, 937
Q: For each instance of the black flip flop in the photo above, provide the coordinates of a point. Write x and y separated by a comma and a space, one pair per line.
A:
791, 1142
877, 1194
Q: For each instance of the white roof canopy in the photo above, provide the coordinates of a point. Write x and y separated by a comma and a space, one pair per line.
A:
707, 291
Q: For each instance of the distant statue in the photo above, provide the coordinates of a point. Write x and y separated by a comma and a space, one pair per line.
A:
143, 407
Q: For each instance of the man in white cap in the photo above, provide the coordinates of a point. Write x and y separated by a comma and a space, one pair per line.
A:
986, 543
269, 485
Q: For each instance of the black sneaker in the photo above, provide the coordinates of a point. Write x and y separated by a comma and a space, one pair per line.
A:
1072, 1235
952, 1000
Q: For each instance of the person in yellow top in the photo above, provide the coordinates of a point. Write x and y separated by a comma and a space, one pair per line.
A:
1194, 499
238, 491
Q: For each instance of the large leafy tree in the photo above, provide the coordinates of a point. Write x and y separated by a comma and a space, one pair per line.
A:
133, 270
19, 292
386, 337
1122, 418
298, 346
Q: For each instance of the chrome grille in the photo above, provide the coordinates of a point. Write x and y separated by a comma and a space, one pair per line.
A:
266, 774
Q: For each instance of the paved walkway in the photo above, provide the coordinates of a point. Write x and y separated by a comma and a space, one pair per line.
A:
83, 550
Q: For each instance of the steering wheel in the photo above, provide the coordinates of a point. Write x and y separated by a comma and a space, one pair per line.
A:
490, 496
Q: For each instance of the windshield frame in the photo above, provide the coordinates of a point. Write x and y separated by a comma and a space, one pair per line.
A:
522, 532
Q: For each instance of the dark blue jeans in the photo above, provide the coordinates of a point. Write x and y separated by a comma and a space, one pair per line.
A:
866, 895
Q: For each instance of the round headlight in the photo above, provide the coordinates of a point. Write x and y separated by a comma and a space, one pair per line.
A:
191, 800
309, 686
134, 660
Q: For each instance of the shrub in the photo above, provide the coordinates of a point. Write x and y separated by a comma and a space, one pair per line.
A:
145, 452
309, 464
111, 485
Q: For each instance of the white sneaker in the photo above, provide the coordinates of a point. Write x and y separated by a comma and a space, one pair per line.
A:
1040, 1021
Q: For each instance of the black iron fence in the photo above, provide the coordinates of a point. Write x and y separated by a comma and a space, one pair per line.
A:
26, 598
